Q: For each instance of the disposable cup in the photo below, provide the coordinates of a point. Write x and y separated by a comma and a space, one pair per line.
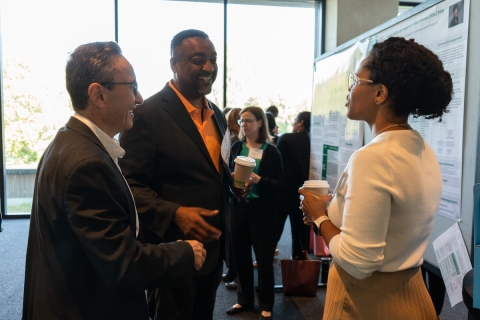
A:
318, 187
243, 170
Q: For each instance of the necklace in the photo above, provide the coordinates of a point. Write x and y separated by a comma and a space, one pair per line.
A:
390, 126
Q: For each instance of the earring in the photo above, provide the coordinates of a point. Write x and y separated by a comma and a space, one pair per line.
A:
376, 101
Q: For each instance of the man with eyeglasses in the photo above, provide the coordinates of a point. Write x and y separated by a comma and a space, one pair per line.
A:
84, 258
178, 177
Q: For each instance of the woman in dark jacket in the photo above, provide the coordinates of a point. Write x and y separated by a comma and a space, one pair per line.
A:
252, 222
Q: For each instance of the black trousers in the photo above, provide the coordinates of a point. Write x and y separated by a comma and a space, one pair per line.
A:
253, 224
232, 271
300, 231
188, 300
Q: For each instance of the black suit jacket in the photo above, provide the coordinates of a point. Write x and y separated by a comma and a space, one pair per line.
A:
295, 150
83, 260
167, 165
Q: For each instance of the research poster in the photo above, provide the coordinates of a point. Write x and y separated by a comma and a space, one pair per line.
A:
334, 137
442, 28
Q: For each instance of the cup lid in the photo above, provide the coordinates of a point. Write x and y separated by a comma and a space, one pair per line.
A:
316, 183
245, 161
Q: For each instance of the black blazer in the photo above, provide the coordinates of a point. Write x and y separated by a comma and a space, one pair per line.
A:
83, 261
271, 171
167, 165
295, 150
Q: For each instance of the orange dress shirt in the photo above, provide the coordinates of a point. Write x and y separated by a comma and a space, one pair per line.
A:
204, 123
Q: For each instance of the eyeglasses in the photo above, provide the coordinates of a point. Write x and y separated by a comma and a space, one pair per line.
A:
247, 121
353, 79
133, 84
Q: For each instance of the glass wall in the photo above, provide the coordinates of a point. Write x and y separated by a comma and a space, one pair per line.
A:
36, 39
146, 28
270, 59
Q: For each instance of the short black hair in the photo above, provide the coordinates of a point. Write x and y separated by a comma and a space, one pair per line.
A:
271, 122
185, 34
415, 78
273, 110
305, 117
87, 64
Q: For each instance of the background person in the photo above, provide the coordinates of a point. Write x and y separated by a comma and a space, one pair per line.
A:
83, 259
273, 110
178, 178
295, 150
251, 221
388, 195
232, 122
231, 275
272, 127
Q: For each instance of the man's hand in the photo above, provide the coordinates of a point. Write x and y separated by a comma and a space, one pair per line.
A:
242, 193
199, 252
191, 223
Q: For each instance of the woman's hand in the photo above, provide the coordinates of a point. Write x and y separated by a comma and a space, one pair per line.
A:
313, 207
255, 178
242, 193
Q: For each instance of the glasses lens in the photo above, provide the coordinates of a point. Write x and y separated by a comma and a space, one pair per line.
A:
248, 121
351, 80
135, 88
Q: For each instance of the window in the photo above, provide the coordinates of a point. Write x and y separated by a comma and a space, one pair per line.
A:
270, 59
36, 39
146, 28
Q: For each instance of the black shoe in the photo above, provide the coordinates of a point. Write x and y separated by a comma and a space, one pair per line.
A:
231, 285
226, 277
232, 311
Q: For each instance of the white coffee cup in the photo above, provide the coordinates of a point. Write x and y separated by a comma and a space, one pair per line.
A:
318, 187
243, 170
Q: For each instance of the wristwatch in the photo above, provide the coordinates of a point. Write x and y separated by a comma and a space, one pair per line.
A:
317, 223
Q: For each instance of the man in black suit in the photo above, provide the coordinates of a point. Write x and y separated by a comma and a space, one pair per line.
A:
295, 150
174, 167
84, 260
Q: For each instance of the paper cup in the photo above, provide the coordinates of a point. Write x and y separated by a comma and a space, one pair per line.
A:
243, 170
318, 187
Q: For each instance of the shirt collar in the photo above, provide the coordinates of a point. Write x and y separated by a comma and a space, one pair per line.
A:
190, 108
111, 145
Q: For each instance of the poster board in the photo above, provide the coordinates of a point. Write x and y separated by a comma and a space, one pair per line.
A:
334, 137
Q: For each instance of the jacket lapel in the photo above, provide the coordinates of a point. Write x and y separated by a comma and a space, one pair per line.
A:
78, 126
176, 109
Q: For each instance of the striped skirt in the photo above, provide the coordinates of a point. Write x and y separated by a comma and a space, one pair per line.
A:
382, 296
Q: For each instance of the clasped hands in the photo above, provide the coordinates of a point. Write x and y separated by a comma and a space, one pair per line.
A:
312, 206
191, 222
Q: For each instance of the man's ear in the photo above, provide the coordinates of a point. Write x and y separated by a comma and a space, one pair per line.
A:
381, 94
173, 63
95, 94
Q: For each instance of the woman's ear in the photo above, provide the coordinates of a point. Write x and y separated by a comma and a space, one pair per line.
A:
381, 94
